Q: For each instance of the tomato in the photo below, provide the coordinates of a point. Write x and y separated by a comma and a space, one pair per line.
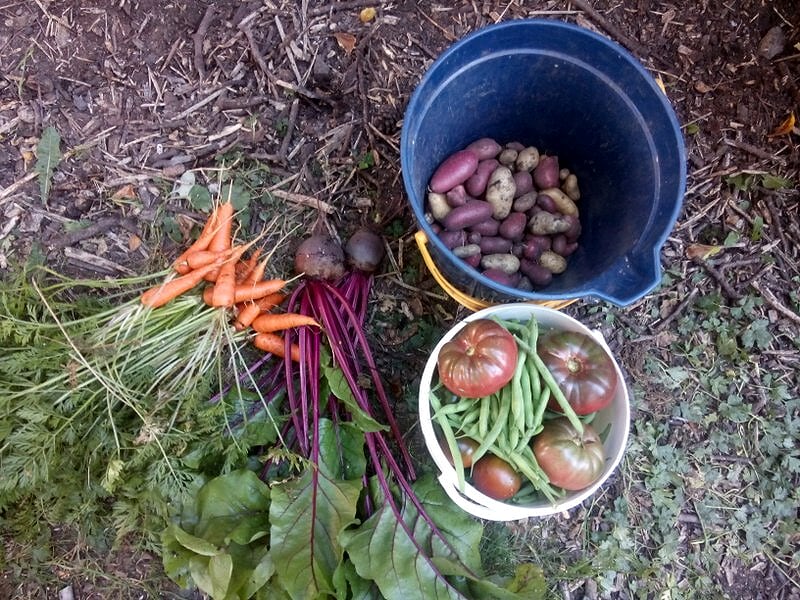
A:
571, 462
479, 360
495, 477
466, 447
582, 369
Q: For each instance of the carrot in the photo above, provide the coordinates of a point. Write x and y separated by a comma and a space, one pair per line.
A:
222, 236
201, 243
208, 292
247, 314
274, 344
254, 291
270, 301
225, 285
161, 294
257, 273
245, 267
272, 322
201, 258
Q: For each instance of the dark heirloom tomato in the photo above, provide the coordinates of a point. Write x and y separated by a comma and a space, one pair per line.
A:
466, 448
495, 477
582, 369
570, 461
479, 360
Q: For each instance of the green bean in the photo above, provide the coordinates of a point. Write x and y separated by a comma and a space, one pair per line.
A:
527, 397
544, 400
548, 380
483, 416
517, 399
499, 424
450, 438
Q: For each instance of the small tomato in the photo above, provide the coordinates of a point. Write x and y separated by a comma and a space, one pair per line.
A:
479, 360
466, 448
582, 369
570, 461
495, 477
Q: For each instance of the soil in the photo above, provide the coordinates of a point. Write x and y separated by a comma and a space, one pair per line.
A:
142, 91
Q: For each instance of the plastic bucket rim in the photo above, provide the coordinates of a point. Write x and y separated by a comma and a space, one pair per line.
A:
589, 289
484, 506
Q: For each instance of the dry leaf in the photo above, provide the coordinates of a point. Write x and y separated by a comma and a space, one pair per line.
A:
367, 14
134, 241
786, 127
703, 251
702, 87
126, 192
347, 41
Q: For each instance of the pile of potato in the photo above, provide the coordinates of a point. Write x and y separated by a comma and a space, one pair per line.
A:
507, 211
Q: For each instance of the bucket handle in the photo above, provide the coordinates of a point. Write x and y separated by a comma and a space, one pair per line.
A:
465, 300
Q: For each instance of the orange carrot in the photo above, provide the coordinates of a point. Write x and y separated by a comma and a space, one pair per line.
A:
272, 322
208, 292
274, 343
257, 273
245, 267
254, 291
161, 294
225, 285
270, 301
248, 312
222, 234
201, 243
201, 258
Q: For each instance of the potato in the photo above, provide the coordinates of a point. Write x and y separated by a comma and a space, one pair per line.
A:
525, 202
536, 273
507, 263
485, 148
527, 159
508, 157
473, 261
457, 196
500, 192
574, 231
559, 243
545, 202
570, 187
494, 245
488, 227
452, 239
545, 223
469, 214
569, 249
502, 277
513, 226
468, 250
555, 263
564, 203
534, 245
545, 175
455, 169
524, 182
518, 146
476, 184
437, 203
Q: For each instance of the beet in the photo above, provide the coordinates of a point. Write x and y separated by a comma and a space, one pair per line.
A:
320, 257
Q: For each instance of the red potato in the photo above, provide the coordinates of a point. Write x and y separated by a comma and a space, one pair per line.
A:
534, 245
574, 231
513, 226
473, 261
545, 175
468, 215
524, 183
547, 203
457, 196
501, 277
485, 148
453, 239
518, 146
454, 170
494, 244
488, 227
525, 202
538, 275
476, 184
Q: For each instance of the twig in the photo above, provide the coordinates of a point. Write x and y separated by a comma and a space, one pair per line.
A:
611, 29
773, 301
199, 36
103, 225
727, 288
337, 6
287, 138
210, 98
303, 200
660, 325
14, 187
754, 150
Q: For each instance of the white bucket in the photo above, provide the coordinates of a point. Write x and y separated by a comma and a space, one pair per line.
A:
617, 414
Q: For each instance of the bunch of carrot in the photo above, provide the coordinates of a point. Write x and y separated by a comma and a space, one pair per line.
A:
234, 282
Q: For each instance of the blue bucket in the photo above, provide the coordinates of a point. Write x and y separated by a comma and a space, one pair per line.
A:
574, 94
